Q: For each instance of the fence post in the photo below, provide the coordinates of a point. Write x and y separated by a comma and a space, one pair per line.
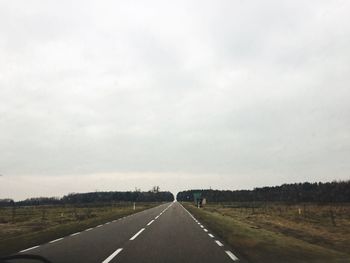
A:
43, 217
332, 216
13, 213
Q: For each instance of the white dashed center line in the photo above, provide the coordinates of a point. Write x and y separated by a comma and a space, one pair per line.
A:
112, 256
211, 235
150, 222
138, 233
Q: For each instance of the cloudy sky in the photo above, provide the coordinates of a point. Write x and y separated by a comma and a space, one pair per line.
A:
113, 95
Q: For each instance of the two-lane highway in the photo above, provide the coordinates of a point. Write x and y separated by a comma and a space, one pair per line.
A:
167, 233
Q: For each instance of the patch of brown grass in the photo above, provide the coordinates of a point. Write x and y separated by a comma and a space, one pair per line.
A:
38, 224
260, 237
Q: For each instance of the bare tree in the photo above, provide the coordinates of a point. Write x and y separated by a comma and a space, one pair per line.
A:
155, 189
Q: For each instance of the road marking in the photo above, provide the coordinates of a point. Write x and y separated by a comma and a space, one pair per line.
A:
156, 217
150, 222
56, 240
219, 243
107, 223
99, 225
138, 233
25, 250
112, 256
231, 255
86, 230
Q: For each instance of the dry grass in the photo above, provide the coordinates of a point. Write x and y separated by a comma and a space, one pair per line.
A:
32, 225
313, 224
271, 232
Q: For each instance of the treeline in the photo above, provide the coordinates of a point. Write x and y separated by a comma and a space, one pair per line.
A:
6, 202
95, 197
135, 196
331, 192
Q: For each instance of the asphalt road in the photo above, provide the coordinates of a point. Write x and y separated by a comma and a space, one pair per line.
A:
167, 233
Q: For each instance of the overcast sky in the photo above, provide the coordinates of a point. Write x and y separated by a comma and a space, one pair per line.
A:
113, 95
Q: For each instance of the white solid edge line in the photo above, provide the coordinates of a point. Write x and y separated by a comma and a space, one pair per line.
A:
56, 240
77, 233
150, 222
211, 235
112, 256
99, 225
219, 243
138, 233
25, 250
156, 217
231, 255
88, 229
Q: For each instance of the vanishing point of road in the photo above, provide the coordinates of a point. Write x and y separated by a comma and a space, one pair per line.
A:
166, 233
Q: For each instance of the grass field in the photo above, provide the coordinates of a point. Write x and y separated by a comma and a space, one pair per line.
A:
274, 232
23, 227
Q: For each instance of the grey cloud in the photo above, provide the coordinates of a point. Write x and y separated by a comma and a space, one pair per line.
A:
232, 90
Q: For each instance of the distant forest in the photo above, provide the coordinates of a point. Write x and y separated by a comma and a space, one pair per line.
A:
331, 192
96, 197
